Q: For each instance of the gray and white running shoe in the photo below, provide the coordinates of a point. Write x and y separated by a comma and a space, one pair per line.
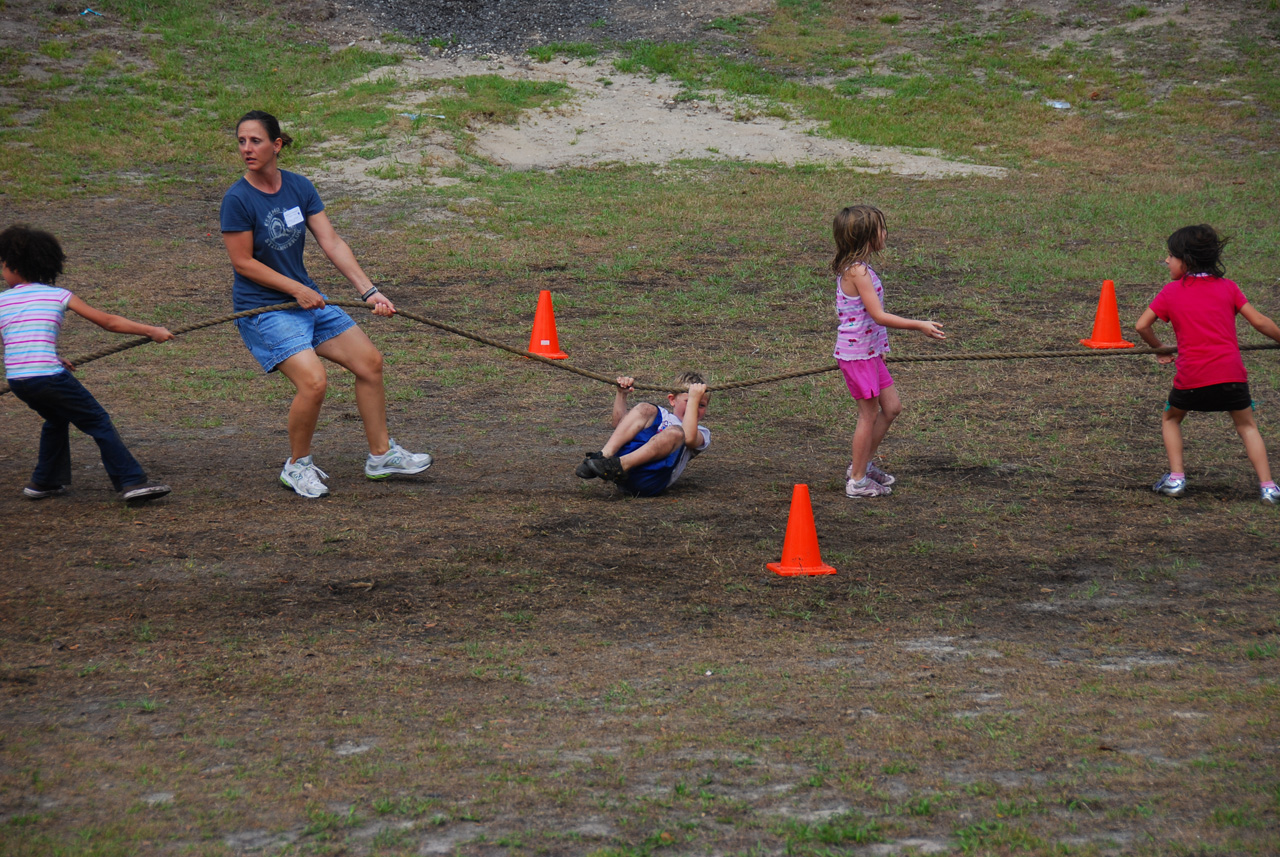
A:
866, 487
396, 460
304, 478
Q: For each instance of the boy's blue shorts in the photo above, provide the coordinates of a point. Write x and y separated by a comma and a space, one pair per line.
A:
649, 480
274, 337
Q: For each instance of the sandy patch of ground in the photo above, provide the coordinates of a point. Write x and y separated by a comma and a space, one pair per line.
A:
621, 118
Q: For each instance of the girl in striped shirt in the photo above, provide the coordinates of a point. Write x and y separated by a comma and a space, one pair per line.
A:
31, 314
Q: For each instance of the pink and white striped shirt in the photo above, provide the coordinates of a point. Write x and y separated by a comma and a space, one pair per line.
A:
30, 320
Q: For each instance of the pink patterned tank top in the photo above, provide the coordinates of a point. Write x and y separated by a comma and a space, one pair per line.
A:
859, 337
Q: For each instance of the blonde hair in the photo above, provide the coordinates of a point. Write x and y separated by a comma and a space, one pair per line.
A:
687, 378
857, 232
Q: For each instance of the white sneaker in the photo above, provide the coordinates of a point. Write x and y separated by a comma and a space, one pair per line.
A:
396, 460
304, 477
1170, 487
865, 487
874, 473
142, 492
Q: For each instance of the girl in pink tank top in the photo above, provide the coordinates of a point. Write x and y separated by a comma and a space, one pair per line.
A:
863, 339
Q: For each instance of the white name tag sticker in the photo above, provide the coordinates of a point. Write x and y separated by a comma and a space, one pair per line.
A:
292, 217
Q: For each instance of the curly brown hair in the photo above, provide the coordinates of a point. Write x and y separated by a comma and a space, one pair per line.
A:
33, 254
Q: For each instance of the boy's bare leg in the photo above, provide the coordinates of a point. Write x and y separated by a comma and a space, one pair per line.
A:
1253, 444
659, 446
636, 420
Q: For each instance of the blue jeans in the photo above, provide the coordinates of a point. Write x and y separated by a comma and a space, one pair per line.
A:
63, 401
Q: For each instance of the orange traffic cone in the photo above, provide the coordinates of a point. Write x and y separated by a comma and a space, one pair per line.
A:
1106, 324
800, 548
544, 342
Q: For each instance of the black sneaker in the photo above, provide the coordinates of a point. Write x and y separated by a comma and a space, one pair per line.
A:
607, 468
144, 492
583, 470
32, 491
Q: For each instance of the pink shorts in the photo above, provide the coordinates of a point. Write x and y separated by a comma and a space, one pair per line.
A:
866, 378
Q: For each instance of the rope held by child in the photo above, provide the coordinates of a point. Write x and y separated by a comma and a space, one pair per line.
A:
125, 345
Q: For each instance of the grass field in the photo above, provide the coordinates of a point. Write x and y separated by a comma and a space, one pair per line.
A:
1024, 651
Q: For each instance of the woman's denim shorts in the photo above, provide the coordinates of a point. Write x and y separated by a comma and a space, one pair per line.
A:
274, 337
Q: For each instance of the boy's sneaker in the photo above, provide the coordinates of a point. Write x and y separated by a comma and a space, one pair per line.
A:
143, 492
609, 468
866, 487
583, 470
1169, 486
304, 478
397, 460
1271, 495
32, 491
875, 474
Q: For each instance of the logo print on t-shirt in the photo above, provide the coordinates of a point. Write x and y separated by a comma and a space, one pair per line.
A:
279, 235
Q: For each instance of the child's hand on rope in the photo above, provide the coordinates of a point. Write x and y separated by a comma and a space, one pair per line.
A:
696, 392
626, 384
1165, 359
159, 334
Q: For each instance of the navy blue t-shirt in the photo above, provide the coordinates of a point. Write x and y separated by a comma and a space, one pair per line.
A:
278, 222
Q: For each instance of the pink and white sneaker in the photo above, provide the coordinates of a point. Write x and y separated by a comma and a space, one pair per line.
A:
866, 487
875, 474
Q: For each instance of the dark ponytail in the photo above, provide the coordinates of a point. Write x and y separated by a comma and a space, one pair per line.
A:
270, 123
1199, 248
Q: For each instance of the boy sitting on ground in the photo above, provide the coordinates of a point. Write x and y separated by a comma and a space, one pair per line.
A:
650, 445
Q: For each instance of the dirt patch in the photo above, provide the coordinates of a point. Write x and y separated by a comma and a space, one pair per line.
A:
513, 26
619, 118
634, 120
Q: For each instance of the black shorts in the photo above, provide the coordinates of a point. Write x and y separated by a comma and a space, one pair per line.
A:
1215, 397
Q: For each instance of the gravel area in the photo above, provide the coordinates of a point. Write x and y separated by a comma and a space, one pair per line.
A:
513, 26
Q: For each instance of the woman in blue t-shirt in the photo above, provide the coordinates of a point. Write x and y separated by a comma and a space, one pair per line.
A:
265, 217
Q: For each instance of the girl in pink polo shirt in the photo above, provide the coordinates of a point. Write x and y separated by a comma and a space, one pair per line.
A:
1210, 375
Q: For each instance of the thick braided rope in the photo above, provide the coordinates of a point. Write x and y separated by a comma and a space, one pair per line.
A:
126, 344
568, 367
975, 355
